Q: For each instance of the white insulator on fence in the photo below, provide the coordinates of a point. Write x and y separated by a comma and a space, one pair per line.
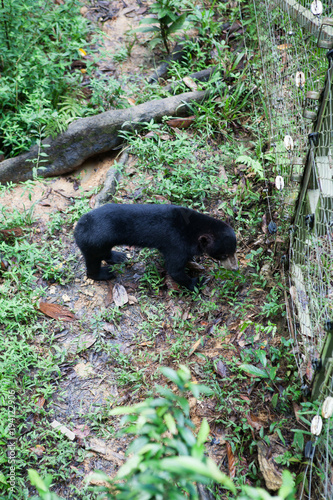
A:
316, 425
300, 79
317, 8
279, 182
288, 143
327, 409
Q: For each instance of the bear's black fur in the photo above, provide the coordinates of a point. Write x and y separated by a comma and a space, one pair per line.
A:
178, 233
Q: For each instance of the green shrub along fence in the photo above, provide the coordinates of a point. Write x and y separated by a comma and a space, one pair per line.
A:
296, 46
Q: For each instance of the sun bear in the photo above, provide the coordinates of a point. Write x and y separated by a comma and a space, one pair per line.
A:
178, 233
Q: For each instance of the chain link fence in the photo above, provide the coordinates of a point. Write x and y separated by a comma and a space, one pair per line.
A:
296, 47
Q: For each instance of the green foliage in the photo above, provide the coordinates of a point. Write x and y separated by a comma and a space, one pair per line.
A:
255, 165
167, 458
70, 214
125, 50
24, 377
151, 277
42, 486
268, 372
24, 261
286, 492
174, 171
25, 374
203, 19
18, 275
39, 39
121, 54
184, 168
168, 20
69, 109
273, 304
107, 95
230, 105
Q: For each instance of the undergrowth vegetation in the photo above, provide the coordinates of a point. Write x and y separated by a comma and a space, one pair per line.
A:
178, 168
39, 40
231, 335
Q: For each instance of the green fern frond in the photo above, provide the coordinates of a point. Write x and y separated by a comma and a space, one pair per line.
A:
254, 165
70, 107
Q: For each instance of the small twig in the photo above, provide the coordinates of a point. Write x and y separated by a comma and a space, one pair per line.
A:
5, 25
64, 195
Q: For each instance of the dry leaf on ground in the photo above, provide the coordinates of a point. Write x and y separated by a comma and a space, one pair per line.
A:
10, 234
231, 461
268, 467
120, 296
190, 83
181, 122
195, 346
221, 369
56, 311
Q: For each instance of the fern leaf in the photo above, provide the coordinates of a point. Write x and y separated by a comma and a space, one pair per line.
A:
254, 165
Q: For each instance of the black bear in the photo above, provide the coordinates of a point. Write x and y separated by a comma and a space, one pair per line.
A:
178, 233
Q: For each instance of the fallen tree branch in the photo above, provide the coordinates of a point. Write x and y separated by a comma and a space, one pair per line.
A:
201, 76
96, 134
111, 181
176, 55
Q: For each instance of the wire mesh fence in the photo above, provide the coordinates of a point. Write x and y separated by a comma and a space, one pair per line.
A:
296, 47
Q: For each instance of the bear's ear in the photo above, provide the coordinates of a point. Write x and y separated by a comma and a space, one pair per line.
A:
205, 241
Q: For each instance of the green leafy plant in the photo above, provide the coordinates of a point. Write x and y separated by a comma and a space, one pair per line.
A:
203, 19
124, 51
42, 486
121, 54
69, 108
41, 156
151, 278
268, 372
107, 95
273, 304
167, 458
229, 107
22, 368
168, 20
268, 330
255, 165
